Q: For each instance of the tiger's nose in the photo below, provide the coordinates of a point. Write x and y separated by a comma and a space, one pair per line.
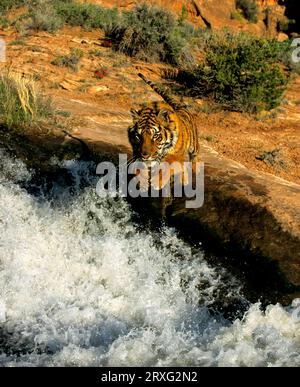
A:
145, 155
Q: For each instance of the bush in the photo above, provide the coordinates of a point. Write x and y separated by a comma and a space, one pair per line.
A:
20, 103
44, 16
237, 15
249, 9
4, 22
50, 15
72, 60
148, 33
284, 24
152, 34
241, 72
87, 15
18, 42
6, 5
41, 15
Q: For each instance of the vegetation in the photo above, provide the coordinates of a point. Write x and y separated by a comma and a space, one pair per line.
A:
146, 32
238, 71
95, 53
237, 15
152, 34
284, 24
249, 9
101, 72
241, 72
87, 16
18, 42
4, 22
184, 15
44, 17
20, 103
71, 61
51, 15
6, 5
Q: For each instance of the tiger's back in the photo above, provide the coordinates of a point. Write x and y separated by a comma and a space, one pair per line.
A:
190, 133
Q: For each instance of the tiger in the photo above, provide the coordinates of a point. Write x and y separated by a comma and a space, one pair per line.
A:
163, 131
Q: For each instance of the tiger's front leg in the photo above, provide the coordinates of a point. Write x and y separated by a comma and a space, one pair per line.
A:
160, 178
144, 179
168, 171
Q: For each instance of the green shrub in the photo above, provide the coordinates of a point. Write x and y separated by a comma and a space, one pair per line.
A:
237, 15
6, 5
43, 16
18, 42
148, 33
86, 15
20, 102
96, 53
284, 24
71, 61
183, 16
151, 34
50, 15
241, 72
249, 9
4, 22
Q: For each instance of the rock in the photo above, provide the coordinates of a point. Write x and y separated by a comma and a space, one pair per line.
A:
201, 12
81, 41
97, 89
105, 42
282, 37
218, 14
199, 102
257, 213
212, 14
254, 216
69, 85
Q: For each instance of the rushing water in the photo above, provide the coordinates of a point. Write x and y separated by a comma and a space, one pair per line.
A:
82, 284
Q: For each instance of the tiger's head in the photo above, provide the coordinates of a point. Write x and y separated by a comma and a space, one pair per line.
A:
154, 132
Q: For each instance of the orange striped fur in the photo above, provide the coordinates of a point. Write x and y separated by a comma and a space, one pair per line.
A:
163, 131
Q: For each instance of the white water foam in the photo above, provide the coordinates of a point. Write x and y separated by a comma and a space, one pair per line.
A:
81, 286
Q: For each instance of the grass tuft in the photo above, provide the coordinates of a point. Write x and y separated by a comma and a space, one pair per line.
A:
20, 102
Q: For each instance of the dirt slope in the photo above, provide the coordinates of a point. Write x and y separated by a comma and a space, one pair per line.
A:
105, 103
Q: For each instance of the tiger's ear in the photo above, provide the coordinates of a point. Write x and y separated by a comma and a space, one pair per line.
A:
164, 114
135, 114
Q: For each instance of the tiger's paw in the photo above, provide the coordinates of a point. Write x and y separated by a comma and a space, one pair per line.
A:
160, 180
143, 176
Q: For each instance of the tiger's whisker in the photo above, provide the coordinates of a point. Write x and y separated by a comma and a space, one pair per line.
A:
127, 163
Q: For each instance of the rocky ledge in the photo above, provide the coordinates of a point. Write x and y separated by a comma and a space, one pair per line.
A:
256, 217
251, 218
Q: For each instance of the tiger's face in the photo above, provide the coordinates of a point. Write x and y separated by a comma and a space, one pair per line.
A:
153, 133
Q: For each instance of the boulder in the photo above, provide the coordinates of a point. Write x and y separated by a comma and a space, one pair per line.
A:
218, 14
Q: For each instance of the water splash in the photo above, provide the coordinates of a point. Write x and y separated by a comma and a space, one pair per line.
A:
81, 284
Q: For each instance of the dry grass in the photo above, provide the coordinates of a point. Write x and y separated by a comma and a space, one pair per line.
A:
20, 102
